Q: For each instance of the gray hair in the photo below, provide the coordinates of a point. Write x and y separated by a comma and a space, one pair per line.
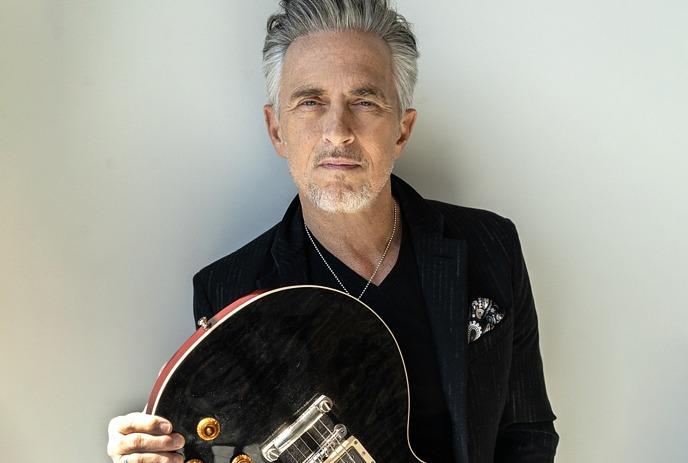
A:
303, 17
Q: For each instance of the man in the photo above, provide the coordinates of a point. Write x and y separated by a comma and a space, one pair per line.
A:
340, 76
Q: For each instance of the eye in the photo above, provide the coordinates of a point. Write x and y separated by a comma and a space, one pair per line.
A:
309, 103
366, 104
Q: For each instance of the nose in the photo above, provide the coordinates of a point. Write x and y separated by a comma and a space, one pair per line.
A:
337, 128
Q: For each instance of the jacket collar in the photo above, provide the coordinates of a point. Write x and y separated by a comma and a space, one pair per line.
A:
289, 262
441, 257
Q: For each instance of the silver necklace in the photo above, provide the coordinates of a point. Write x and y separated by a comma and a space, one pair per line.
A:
379, 262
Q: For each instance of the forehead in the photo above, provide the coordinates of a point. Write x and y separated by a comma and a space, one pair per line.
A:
336, 61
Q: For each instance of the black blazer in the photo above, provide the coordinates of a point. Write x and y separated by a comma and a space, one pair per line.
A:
495, 385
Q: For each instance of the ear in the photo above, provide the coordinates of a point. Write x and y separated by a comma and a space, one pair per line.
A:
273, 126
405, 128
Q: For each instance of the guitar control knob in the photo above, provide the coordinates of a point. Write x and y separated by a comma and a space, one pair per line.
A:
194, 460
208, 429
242, 459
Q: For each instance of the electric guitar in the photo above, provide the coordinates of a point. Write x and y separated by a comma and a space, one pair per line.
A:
302, 374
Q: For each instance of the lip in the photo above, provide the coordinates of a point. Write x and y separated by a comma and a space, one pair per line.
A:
341, 164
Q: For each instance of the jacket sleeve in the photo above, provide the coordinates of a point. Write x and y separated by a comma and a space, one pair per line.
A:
526, 432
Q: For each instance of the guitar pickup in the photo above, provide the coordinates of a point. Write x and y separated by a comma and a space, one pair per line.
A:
326, 443
350, 451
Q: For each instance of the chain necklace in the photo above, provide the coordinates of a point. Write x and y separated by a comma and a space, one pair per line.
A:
379, 262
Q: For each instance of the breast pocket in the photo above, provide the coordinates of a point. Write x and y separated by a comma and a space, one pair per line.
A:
497, 339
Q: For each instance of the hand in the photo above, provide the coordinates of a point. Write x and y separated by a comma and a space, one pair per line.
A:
141, 438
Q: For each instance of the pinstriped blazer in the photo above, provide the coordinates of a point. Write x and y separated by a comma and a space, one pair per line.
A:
494, 386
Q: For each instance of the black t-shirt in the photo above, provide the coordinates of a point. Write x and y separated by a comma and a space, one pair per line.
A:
398, 300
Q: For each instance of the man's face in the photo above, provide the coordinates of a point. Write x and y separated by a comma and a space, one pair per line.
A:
339, 125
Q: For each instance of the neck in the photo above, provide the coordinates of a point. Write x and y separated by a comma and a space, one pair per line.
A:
358, 239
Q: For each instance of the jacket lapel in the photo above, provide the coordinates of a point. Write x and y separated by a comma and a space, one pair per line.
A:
289, 265
442, 265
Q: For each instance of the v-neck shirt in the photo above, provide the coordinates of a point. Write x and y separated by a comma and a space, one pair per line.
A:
398, 300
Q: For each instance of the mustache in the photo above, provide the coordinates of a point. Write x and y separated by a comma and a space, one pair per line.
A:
339, 153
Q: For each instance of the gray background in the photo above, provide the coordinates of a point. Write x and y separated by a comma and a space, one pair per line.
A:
133, 153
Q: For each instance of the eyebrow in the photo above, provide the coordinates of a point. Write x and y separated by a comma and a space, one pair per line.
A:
306, 92
367, 90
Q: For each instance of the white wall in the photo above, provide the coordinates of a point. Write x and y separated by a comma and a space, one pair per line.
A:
132, 153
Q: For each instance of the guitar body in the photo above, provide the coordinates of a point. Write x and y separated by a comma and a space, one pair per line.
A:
298, 374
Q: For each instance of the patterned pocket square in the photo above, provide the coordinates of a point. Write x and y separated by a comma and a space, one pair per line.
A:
485, 315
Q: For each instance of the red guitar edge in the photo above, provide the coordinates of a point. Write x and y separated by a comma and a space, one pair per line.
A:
188, 345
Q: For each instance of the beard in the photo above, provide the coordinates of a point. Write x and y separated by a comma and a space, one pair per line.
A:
341, 197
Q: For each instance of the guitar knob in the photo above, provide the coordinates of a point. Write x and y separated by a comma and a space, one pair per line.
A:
208, 429
242, 459
194, 460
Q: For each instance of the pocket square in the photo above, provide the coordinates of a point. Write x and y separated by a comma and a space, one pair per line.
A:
485, 314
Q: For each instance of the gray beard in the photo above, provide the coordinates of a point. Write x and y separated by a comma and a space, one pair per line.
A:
341, 201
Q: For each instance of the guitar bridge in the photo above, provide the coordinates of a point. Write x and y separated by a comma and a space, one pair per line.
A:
314, 438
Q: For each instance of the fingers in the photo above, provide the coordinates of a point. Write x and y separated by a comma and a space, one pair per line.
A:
166, 457
145, 443
142, 438
139, 422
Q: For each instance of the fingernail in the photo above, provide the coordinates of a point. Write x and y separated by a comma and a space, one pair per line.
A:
179, 440
166, 427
